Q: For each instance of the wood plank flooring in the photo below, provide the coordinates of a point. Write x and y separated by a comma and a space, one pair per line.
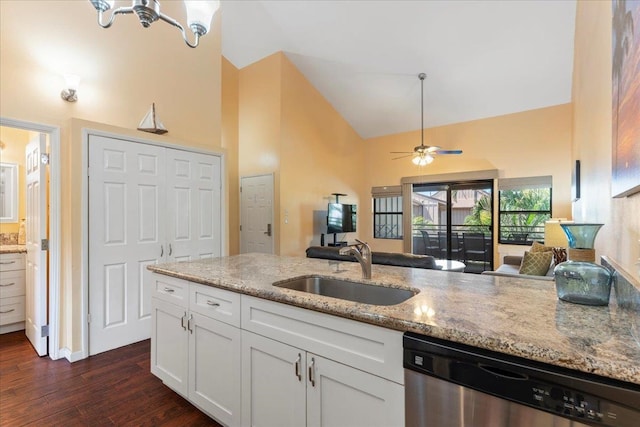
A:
115, 388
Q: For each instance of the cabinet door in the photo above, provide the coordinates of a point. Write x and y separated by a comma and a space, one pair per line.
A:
169, 344
273, 383
193, 205
214, 368
339, 395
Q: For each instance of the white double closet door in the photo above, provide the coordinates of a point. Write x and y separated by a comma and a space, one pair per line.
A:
147, 204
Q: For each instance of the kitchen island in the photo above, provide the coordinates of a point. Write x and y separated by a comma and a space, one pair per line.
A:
247, 352
522, 318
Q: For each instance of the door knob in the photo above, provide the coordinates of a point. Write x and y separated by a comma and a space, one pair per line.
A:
268, 232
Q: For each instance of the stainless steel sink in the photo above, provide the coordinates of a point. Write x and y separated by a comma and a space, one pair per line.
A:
347, 290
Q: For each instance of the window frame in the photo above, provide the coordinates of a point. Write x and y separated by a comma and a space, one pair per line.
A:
391, 192
519, 184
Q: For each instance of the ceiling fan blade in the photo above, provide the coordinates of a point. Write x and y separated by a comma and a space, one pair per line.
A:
448, 152
402, 157
432, 148
401, 152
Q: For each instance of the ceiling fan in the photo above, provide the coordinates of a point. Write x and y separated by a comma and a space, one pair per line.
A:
423, 154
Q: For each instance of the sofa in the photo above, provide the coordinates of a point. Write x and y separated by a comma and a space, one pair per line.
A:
511, 268
382, 258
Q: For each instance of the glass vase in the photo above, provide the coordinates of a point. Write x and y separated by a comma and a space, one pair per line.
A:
581, 280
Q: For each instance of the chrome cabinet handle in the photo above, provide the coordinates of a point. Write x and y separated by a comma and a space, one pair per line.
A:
212, 303
161, 250
8, 311
189, 323
170, 249
298, 360
169, 290
7, 262
312, 377
182, 319
8, 284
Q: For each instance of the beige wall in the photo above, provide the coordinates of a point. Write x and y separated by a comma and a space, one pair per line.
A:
321, 154
288, 128
530, 143
15, 141
230, 111
124, 69
620, 236
259, 125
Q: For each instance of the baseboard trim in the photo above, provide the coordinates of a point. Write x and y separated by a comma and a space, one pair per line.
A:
70, 356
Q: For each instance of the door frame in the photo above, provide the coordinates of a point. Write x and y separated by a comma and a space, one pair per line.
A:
273, 196
55, 352
86, 132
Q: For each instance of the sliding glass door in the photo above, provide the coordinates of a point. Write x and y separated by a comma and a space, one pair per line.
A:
454, 221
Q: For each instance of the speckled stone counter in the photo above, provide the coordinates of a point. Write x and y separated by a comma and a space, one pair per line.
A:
521, 317
13, 249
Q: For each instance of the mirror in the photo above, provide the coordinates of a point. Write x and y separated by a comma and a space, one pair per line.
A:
8, 192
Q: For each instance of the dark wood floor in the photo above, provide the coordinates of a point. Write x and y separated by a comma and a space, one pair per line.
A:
114, 388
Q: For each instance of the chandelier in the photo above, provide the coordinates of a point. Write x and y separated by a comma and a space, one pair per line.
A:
199, 15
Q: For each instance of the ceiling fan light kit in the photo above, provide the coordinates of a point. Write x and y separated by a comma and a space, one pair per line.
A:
423, 154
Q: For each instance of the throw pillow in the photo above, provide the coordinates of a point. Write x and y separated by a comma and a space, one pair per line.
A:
539, 247
536, 263
559, 255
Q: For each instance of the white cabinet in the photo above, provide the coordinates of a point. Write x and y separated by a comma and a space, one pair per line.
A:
147, 204
12, 292
195, 345
286, 386
301, 367
246, 361
273, 383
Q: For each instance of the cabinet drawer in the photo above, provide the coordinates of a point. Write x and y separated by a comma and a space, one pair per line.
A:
170, 289
9, 262
215, 303
11, 310
370, 348
12, 284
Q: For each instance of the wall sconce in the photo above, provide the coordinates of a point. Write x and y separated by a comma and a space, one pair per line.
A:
199, 15
70, 93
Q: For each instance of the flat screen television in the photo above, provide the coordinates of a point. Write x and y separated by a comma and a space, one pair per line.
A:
341, 218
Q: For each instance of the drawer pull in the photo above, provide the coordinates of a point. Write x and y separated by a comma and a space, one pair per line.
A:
212, 303
7, 262
8, 284
169, 290
8, 311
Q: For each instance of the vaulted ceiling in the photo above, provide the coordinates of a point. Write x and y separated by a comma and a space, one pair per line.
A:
482, 58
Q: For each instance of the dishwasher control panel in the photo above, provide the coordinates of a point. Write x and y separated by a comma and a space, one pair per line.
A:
571, 403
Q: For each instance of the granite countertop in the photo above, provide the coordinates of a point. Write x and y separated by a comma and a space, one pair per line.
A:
520, 317
13, 249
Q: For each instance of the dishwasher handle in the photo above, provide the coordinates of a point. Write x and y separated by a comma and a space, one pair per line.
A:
503, 373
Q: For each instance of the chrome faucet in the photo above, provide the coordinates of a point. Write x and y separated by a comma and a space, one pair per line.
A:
362, 252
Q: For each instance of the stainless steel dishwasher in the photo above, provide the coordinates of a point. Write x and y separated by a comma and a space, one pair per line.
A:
450, 385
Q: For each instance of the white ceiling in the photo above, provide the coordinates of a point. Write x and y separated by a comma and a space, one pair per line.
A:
482, 58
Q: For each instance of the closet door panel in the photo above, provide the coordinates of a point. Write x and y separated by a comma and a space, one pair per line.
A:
194, 208
126, 233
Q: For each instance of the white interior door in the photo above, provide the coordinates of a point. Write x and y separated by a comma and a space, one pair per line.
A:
127, 201
36, 231
256, 214
193, 205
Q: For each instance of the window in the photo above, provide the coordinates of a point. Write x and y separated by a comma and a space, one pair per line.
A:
387, 212
525, 205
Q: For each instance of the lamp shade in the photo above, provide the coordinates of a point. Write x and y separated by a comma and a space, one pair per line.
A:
554, 236
200, 12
